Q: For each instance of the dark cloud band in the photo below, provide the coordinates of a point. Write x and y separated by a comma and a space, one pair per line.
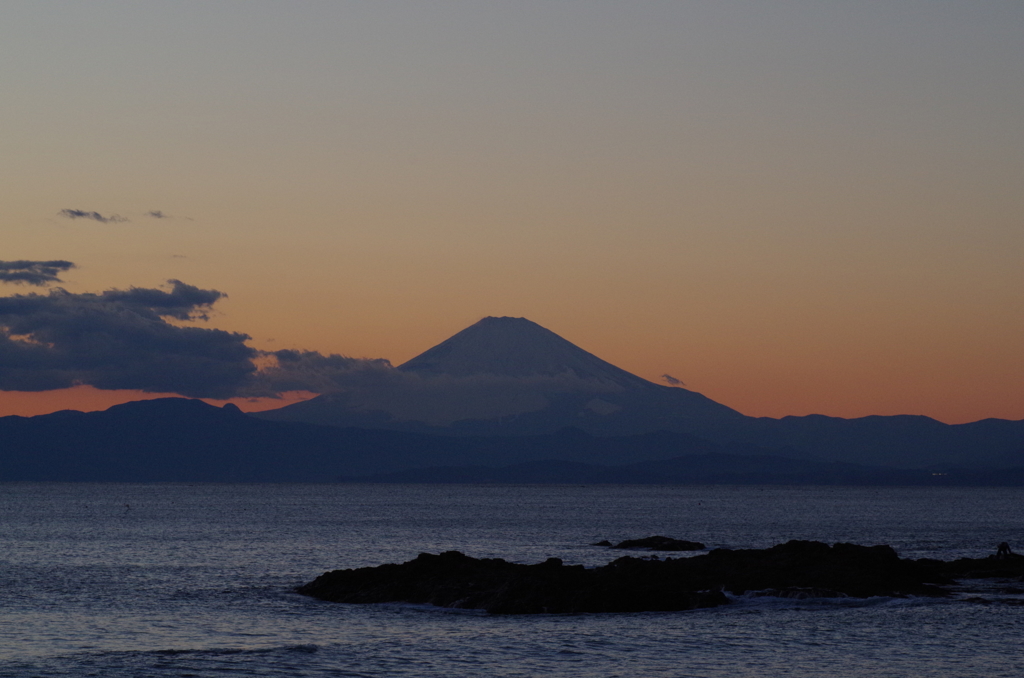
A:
124, 339
33, 272
121, 339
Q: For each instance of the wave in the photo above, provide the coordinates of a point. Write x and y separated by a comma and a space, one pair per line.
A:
308, 648
196, 662
806, 599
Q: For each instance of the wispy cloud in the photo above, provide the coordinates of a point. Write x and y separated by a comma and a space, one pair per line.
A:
290, 370
160, 214
671, 381
94, 216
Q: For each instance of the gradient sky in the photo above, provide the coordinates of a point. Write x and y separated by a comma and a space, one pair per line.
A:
793, 207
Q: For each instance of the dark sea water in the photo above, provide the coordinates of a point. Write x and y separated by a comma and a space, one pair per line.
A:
196, 580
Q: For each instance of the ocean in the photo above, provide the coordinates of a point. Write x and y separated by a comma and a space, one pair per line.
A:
196, 580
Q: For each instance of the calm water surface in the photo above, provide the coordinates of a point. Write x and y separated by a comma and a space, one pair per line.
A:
195, 580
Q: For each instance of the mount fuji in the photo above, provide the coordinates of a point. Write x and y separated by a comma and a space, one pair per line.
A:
509, 376
519, 348
512, 377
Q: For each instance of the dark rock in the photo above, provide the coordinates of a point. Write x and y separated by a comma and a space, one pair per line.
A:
603, 542
795, 569
452, 579
991, 567
658, 543
847, 569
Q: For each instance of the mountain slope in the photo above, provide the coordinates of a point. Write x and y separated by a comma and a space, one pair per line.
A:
518, 348
507, 376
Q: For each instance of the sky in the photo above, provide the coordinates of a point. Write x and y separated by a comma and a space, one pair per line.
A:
792, 207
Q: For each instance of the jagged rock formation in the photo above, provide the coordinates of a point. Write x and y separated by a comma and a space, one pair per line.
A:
454, 580
794, 569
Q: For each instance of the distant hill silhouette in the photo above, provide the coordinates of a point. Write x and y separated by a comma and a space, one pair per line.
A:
181, 440
177, 439
512, 377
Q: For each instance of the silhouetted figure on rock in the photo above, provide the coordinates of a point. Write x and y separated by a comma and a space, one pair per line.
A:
1003, 551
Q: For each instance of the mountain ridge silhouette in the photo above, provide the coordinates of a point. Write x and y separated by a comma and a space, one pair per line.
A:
183, 440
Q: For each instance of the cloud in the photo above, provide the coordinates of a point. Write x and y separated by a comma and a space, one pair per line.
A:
160, 214
290, 370
36, 273
125, 339
121, 339
183, 302
134, 339
95, 216
375, 386
672, 381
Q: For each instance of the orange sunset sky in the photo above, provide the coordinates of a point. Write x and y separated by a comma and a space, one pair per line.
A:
793, 207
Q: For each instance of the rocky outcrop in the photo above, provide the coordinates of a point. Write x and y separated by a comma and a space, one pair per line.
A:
452, 579
1007, 570
628, 584
842, 569
656, 543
